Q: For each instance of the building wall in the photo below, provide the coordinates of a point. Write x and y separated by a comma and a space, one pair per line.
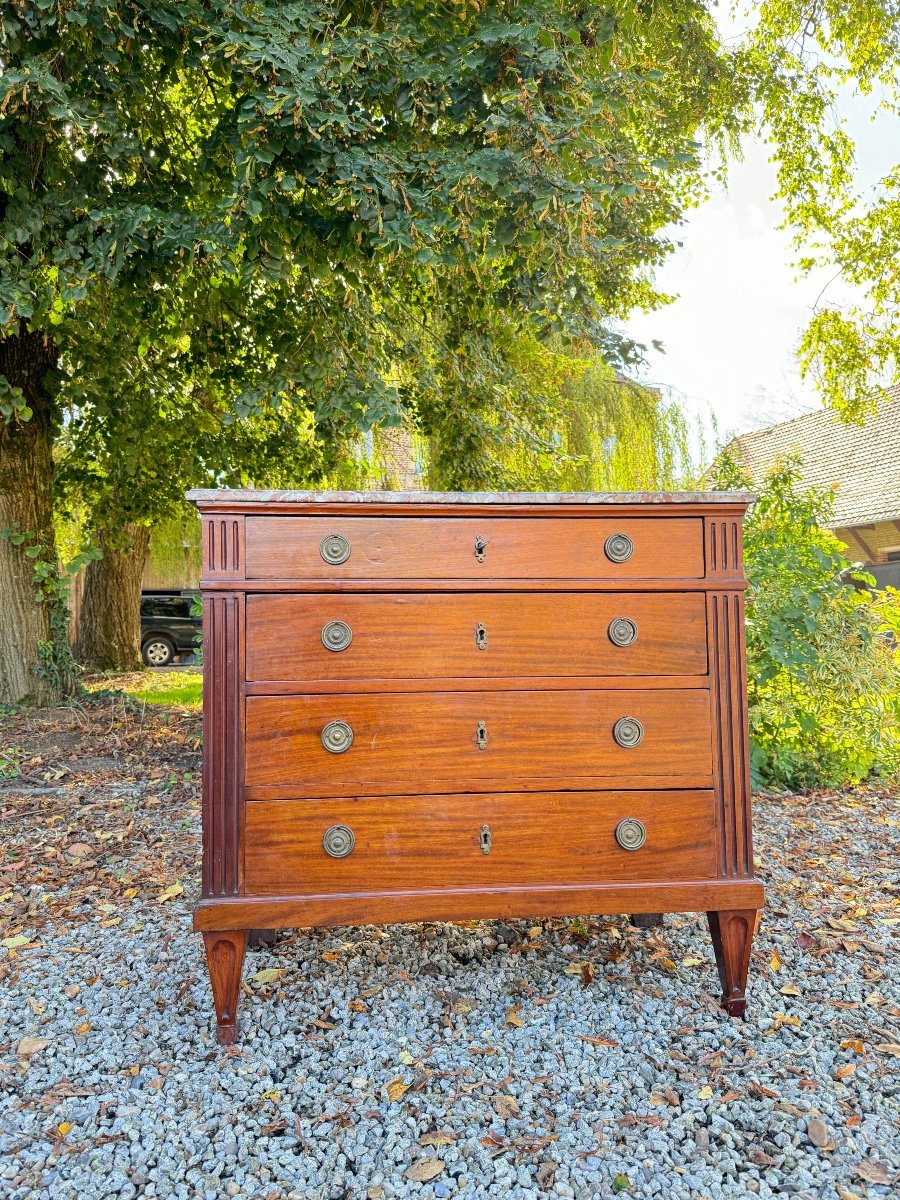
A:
870, 543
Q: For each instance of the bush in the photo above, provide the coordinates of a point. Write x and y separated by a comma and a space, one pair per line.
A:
823, 657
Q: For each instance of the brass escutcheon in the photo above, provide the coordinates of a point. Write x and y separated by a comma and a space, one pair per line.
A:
338, 840
336, 636
485, 839
630, 833
480, 636
622, 631
628, 732
481, 735
337, 736
335, 549
480, 547
618, 547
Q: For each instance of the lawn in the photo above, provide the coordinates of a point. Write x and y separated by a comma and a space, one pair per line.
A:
183, 689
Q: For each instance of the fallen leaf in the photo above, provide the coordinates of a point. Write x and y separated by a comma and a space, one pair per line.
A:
705, 1093
621, 1183
587, 973
63, 1128
424, 1169
36, 1007
273, 1127
546, 1174
760, 1157
790, 989
269, 975
271, 1094
84, 1027
130, 893
13, 943
873, 1171
889, 1048
79, 849
505, 1106
690, 961
512, 1016
784, 1019
396, 1088
817, 1132
406, 1058
775, 960
31, 1045
440, 1137
173, 890
854, 1044
597, 1041
845, 1071
853, 1121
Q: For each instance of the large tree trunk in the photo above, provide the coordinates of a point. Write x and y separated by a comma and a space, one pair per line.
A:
34, 658
109, 627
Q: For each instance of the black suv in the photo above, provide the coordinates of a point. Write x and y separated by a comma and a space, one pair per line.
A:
167, 627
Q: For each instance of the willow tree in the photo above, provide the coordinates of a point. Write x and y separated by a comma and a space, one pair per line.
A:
514, 161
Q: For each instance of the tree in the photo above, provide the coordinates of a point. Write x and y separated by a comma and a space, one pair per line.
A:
410, 172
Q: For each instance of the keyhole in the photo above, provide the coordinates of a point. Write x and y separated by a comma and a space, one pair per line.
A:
481, 735
480, 636
480, 547
485, 839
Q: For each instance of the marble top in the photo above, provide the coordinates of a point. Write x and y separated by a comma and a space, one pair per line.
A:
275, 496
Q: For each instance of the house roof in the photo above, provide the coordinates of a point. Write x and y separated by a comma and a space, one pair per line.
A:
861, 462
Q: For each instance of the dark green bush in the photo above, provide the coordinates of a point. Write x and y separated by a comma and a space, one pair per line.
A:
823, 657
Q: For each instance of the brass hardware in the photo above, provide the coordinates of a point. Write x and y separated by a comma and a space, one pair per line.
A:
622, 631
337, 736
480, 636
618, 547
628, 732
481, 735
338, 840
336, 636
485, 839
630, 833
335, 549
480, 547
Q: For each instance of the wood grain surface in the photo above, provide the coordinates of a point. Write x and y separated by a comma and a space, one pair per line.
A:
406, 842
433, 636
413, 547
427, 742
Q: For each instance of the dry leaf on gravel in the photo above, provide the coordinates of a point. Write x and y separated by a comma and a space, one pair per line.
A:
173, 890
424, 1169
873, 1171
505, 1106
889, 1048
440, 1137
397, 1088
31, 1045
270, 975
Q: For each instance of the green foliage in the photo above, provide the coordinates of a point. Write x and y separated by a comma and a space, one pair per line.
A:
823, 658
797, 63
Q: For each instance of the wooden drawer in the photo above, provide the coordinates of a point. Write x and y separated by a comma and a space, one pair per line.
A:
481, 635
446, 548
429, 742
414, 842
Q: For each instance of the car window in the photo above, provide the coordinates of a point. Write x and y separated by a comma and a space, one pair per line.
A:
166, 606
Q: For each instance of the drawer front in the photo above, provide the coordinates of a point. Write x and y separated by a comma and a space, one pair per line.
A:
480, 636
468, 548
493, 840
473, 741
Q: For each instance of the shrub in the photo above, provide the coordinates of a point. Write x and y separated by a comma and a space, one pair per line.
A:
823, 656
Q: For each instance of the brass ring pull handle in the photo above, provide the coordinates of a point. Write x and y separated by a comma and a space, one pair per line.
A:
481, 735
630, 833
338, 840
480, 636
622, 631
334, 549
628, 732
618, 547
480, 547
336, 636
485, 839
337, 737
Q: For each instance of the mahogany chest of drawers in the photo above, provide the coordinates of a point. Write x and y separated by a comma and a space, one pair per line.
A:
442, 707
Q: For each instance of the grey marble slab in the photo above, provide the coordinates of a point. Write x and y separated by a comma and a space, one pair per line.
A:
273, 496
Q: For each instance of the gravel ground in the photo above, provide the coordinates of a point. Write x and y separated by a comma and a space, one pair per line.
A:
576, 1058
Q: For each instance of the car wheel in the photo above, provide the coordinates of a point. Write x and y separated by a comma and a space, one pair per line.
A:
157, 651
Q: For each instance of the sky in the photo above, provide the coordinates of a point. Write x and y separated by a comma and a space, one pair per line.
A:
730, 337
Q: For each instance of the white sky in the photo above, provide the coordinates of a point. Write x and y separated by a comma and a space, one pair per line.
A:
731, 336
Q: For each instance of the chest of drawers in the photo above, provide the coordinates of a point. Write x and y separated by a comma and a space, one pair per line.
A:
443, 707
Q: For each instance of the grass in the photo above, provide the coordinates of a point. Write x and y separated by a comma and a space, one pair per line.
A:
179, 688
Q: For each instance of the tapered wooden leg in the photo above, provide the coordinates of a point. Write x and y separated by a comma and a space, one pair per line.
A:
224, 958
646, 920
732, 935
